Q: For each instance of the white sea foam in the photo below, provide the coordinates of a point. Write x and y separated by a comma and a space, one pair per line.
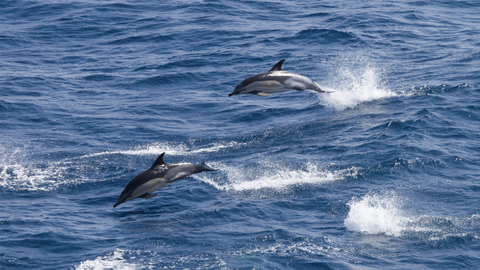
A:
21, 177
354, 82
384, 214
272, 175
139, 259
15, 174
114, 260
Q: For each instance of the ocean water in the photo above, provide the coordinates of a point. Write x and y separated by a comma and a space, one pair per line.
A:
383, 173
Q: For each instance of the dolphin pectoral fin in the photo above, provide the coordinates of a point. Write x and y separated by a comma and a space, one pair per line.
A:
147, 196
260, 93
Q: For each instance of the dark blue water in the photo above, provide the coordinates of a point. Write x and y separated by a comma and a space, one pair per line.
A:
381, 174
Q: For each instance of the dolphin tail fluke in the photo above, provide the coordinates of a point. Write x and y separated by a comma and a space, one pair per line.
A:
325, 91
320, 90
206, 167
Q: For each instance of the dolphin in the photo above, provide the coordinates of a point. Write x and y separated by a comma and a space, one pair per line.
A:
160, 175
275, 80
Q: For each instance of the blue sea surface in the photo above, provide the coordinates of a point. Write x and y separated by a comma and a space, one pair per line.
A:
382, 173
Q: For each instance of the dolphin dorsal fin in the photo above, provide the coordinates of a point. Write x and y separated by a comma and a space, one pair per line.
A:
278, 66
158, 161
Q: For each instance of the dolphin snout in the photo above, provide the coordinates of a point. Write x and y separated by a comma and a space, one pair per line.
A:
238, 89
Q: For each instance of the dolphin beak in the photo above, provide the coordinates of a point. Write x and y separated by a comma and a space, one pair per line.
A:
236, 91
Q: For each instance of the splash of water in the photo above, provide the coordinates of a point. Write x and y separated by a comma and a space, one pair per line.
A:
384, 214
354, 82
375, 214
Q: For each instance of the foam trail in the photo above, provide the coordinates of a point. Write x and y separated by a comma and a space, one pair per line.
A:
272, 175
151, 149
217, 147
174, 150
353, 84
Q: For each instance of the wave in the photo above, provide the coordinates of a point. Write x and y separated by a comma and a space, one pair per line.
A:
270, 175
354, 82
385, 214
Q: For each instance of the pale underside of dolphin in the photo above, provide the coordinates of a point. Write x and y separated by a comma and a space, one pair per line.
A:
275, 80
160, 175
